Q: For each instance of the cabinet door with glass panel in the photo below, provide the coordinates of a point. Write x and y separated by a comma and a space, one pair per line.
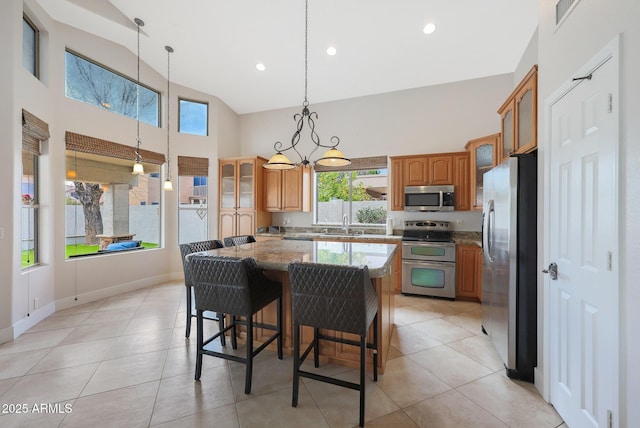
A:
241, 211
483, 156
519, 117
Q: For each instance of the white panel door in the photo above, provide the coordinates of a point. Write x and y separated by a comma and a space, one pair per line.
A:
583, 244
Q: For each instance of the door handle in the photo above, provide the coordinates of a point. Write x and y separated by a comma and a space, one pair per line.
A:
552, 271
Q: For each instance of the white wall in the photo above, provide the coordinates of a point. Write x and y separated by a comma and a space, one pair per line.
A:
57, 282
590, 27
431, 119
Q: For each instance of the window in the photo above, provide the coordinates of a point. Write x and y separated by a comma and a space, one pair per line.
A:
91, 83
30, 209
105, 203
193, 193
193, 117
358, 191
30, 46
34, 131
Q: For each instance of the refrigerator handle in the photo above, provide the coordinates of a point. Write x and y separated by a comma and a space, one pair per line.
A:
487, 231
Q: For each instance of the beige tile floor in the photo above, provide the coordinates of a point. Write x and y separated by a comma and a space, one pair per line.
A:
124, 362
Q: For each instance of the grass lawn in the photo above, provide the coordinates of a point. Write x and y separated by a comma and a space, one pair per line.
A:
74, 250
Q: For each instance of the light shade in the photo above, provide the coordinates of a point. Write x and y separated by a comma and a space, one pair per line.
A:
333, 157
168, 185
138, 169
279, 161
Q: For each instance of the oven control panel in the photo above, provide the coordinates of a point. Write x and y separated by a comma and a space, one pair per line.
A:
426, 225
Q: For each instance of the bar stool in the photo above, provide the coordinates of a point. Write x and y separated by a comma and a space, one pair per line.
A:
236, 287
186, 249
230, 241
339, 298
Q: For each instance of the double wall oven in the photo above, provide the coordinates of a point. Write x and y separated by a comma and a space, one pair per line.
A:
428, 259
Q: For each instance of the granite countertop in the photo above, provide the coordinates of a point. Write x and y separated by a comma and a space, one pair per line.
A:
460, 238
277, 254
468, 238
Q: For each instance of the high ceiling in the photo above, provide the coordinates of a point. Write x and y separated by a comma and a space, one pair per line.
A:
380, 43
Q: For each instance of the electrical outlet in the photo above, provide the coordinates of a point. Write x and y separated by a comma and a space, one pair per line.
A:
459, 222
36, 303
1, 232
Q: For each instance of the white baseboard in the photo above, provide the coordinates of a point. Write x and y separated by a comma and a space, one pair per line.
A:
10, 333
103, 293
34, 318
6, 335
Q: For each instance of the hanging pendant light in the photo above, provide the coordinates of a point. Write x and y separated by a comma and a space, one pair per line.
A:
138, 169
333, 157
167, 183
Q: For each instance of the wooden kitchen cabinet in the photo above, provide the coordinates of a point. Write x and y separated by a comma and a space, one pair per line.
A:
240, 195
468, 272
397, 185
519, 117
416, 172
441, 169
483, 155
287, 190
461, 181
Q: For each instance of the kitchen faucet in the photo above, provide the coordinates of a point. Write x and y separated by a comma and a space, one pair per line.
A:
345, 223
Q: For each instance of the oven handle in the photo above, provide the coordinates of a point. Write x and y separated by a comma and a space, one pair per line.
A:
428, 263
487, 230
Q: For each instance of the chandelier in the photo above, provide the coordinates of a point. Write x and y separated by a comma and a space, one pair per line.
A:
333, 156
138, 169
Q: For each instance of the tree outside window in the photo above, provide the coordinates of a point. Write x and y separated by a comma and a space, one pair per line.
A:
93, 84
356, 193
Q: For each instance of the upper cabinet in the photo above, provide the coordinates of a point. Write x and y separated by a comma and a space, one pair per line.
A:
287, 190
415, 171
430, 170
519, 117
483, 154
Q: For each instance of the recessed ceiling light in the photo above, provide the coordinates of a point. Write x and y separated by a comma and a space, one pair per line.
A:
331, 51
260, 66
429, 28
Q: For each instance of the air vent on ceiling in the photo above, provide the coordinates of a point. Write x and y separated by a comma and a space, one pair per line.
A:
563, 7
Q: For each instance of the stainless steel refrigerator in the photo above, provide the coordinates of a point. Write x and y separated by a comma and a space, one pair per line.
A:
509, 241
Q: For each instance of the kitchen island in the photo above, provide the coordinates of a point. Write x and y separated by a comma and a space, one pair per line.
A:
274, 257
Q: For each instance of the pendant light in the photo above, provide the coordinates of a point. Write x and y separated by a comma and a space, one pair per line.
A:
167, 183
138, 169
333, 157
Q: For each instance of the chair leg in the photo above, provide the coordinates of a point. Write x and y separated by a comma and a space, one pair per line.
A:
200, 340
249, 368
363, 350
234, 339
375, 350
223, 340
316, 348
279, 327
296, 364
188, 331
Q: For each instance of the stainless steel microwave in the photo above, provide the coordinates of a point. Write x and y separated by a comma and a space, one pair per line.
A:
429, 198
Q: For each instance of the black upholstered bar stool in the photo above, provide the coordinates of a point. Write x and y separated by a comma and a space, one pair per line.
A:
236, 287
230, 241
186, 249
339, 298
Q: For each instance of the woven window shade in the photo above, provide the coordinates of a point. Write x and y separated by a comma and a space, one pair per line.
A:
374, 162
34, 131
196, 167
96, 146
